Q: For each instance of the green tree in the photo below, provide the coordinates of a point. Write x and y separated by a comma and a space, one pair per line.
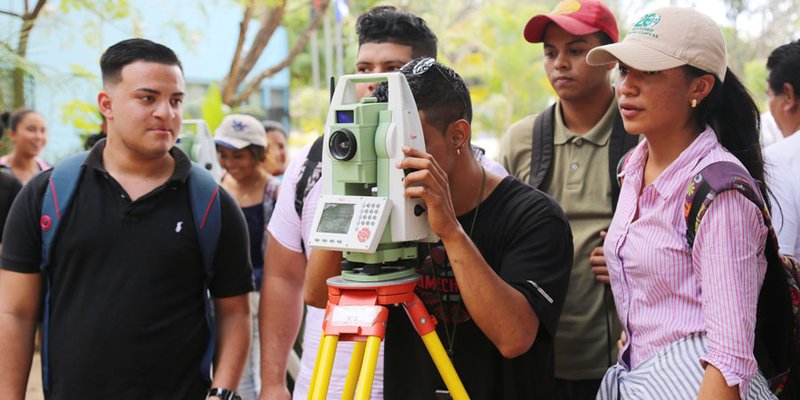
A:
24, 15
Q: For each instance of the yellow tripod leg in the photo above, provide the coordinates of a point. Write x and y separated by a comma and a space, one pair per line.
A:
445, 366
368, 368
316, 368
325, 360
354, 370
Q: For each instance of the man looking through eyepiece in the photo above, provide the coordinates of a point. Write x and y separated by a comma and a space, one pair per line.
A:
495, 282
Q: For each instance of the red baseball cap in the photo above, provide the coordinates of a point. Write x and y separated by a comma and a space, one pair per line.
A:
578, 17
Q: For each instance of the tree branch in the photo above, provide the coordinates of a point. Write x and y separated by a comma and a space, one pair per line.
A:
229, 90
298, 47
269, 23
4, 12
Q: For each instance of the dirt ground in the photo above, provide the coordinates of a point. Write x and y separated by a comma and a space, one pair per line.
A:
35, 380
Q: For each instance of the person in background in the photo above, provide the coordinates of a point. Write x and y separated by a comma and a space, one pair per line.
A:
27, 131
783, 158
388, 39
689, 312
275, 160
241, 144
585, 139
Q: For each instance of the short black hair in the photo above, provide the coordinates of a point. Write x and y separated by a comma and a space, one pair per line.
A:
783, 65
438, 91
388, 24
129, 51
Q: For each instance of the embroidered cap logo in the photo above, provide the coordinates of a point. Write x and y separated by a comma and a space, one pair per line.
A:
239, 126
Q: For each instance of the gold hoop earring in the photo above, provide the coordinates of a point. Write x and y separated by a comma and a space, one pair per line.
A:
694, 103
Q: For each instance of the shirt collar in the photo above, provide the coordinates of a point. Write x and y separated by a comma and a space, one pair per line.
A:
179, 175
671, 179
598, 135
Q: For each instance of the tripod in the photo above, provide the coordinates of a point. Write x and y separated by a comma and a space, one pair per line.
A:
357, 312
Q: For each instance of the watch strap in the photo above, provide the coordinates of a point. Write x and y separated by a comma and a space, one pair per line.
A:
224, 394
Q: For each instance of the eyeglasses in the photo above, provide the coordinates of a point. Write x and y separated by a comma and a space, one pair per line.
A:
425, 64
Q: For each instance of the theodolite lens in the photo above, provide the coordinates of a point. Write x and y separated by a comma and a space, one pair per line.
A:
342, 145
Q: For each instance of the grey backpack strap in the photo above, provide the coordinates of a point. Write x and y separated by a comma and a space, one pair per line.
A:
620, 144
542, 146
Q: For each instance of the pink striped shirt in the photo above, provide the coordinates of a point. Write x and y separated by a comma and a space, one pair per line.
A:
665, 290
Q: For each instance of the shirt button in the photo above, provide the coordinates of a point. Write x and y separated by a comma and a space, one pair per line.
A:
579, 142
574, 166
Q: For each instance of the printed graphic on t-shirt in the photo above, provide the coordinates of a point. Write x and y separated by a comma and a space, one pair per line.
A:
438, 288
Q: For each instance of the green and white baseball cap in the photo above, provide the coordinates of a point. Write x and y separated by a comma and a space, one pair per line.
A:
668, 38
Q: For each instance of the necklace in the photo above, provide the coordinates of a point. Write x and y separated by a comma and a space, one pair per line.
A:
451, 336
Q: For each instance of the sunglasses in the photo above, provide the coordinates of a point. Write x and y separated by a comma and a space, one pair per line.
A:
425, 64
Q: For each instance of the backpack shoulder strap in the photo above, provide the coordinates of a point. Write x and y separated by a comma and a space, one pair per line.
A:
207, 215
60, 188
620, 145
542, 146
712, 180
206, 210
312, 161
63, 182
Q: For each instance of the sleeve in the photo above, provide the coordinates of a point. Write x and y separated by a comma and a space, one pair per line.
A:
731, 266
515, 148
785, 209
233, 273
538, 264
285, 225
22, 250
9, 187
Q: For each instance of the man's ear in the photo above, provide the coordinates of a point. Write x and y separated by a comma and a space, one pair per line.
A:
792, 102
104, 104
459, 133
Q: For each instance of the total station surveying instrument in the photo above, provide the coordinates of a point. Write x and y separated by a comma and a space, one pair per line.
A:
363, 213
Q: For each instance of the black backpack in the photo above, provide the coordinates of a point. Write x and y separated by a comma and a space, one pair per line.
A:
777, 341
309, 175
542, 150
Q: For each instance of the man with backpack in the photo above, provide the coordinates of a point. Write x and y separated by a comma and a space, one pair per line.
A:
570, 151
125, 245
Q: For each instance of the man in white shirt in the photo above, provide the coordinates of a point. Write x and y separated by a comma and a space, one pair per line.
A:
783, 159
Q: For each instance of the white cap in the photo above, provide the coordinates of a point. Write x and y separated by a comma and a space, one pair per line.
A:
238, 131
668, 38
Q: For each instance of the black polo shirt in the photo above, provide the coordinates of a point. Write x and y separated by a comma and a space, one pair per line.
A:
127, 312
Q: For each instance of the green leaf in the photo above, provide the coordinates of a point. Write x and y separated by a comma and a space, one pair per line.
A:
212, 109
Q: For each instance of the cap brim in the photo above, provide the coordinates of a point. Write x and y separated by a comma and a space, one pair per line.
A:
634, 55
534, 29
231, 143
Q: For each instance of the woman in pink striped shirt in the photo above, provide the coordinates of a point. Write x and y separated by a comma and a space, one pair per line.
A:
689, 312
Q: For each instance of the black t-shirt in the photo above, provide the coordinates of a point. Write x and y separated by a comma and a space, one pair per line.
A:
9, 187
127, 311
524, 236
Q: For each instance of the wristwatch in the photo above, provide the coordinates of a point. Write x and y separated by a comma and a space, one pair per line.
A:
223, 394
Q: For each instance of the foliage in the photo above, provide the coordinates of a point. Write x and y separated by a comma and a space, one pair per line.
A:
212, 109
83, 116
